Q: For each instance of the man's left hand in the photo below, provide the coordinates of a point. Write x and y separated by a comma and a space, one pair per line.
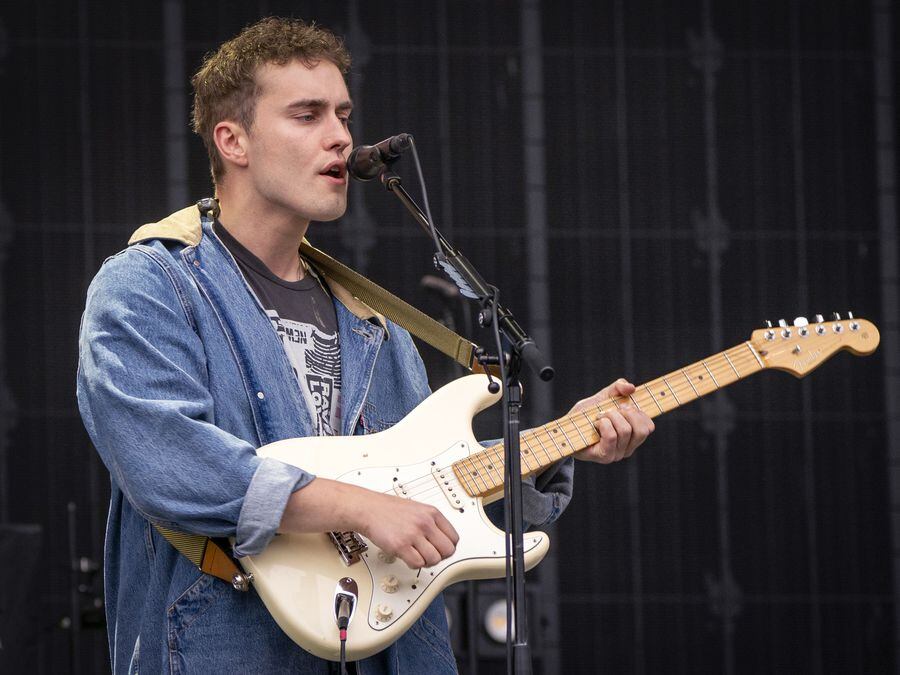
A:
621, 430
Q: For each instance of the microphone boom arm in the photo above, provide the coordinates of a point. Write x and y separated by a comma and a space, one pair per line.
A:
470, 283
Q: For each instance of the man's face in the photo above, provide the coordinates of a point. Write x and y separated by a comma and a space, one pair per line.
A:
300, 140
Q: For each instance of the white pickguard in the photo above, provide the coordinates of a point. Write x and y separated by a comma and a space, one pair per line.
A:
296, 575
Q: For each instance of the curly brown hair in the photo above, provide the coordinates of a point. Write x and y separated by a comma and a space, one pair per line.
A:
225, 87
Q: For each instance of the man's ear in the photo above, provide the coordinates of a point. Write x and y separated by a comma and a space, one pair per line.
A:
231, 140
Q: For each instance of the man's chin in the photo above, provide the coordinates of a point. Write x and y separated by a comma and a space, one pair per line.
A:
327, 215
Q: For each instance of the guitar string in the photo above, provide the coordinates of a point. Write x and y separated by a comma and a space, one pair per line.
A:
426, 485
739, 361
720, 366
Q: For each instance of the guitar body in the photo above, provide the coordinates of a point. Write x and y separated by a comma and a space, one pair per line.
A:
298, 574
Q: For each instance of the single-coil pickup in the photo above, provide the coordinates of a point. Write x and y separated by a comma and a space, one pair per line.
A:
449, 486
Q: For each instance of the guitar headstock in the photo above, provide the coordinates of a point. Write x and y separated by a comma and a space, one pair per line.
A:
803, 346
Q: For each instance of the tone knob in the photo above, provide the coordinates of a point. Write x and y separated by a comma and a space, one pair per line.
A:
386, 557
384, 612
390, 584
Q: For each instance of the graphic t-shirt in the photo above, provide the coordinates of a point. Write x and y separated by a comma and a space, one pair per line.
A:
303, 316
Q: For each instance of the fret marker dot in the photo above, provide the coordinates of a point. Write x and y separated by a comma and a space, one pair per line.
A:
662, 393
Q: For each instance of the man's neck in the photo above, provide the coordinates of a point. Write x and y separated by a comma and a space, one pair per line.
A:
271, 234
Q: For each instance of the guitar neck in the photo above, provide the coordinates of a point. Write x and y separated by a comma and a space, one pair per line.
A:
482, 473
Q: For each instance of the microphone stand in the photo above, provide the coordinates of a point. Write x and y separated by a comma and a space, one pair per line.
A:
522, 349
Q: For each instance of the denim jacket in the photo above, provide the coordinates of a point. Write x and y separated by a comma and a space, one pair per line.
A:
181, 377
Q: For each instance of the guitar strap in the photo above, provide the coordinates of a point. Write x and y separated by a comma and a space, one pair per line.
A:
211, 555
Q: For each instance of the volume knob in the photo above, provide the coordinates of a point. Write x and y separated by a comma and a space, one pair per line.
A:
384, 612
390, 584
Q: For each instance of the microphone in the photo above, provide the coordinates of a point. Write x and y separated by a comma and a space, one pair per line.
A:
367, 161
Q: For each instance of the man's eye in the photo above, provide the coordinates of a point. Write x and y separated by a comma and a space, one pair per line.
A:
346, 121
308, 117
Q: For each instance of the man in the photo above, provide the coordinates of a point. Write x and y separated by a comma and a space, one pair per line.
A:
181, 377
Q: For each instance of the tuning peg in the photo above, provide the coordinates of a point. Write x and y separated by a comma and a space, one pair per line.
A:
768, 323
782, 323
801, 321
819, 318
835, 316
849, 315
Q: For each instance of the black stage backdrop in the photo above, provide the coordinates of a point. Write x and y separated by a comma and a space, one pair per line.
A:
645, 181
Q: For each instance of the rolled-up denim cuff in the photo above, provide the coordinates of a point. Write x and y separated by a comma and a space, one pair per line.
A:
264, 504
539, 508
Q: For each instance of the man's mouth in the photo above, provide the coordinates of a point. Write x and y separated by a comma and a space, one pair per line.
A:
336, 170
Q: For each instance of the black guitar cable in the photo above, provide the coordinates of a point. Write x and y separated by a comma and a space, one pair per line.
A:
343, 621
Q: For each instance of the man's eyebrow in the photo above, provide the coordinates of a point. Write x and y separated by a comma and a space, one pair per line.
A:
318, 104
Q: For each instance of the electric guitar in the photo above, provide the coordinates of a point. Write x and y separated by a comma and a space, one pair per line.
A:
432, 456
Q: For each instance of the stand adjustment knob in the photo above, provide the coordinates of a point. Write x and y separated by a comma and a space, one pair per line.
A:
384, 612
390, 584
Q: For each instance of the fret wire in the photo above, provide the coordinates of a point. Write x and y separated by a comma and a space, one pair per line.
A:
498, 470
473, 471
523, 440
677, 400
568, 442
683, 372
532, 451
636, 403
716, 382
484, 467
591, 423
732, 365
578, 429
550, 436
466, 478
562, 429
661, 411
546, 454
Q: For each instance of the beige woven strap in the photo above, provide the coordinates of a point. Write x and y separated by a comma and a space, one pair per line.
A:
400, 312
204, 552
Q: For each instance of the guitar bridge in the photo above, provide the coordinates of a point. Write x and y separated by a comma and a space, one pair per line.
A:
350, 545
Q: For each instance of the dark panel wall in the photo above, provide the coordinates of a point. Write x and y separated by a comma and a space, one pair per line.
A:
709, 165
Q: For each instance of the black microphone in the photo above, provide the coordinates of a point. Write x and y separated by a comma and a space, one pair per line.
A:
366, 161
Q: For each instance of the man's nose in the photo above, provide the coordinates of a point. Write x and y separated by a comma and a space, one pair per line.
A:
338, 137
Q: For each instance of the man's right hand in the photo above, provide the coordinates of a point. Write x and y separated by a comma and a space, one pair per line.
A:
417, 533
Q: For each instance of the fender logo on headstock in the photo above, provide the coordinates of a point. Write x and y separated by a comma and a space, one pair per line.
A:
800, 364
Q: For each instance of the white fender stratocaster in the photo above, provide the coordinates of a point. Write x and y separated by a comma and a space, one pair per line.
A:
431, 456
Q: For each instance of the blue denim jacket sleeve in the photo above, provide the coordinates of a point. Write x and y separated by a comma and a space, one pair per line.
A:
544, 496
142, 391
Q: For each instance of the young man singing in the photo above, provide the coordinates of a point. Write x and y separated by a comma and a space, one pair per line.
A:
200, 344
